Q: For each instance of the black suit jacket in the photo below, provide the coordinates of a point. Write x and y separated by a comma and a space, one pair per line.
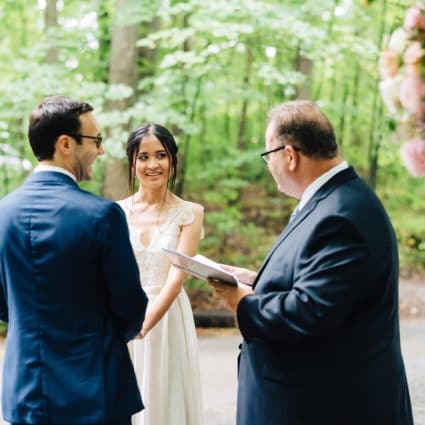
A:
321, 333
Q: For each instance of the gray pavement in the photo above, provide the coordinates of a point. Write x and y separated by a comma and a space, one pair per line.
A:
218, 363
218, 351
218, 354
413, 347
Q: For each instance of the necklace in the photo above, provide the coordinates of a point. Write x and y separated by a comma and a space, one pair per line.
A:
158, 227
162, 205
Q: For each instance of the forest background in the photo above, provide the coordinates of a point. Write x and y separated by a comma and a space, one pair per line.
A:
210, 70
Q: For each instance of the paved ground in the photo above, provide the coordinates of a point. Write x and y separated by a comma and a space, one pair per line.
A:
218, 363
218, 354
413, 346
218, 351
412, 298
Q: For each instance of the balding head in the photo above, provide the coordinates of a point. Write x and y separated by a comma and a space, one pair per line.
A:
302, 124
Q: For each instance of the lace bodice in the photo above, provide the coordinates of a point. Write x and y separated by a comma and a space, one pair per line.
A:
152, 261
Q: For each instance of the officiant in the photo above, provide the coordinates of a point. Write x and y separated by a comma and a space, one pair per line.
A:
321, 342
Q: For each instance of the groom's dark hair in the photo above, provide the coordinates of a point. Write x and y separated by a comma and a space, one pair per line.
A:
54, 116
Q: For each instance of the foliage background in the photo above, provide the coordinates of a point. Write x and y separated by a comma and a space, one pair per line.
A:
210, 70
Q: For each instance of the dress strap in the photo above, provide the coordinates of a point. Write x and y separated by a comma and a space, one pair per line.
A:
183, 215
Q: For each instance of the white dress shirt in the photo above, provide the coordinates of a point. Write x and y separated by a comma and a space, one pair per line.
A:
44, 167
312, 188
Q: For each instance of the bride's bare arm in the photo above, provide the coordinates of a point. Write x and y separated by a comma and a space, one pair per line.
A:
188, 244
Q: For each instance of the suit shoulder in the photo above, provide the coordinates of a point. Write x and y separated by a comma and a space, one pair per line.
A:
97, 205
354, 192
94, 199
356, 202
11, 200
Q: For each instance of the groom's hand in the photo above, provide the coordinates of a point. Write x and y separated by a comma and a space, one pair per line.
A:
230, 295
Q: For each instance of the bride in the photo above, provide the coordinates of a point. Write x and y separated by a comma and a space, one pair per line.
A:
165, 356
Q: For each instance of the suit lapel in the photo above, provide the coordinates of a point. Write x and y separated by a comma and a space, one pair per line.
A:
287, 231
322, 193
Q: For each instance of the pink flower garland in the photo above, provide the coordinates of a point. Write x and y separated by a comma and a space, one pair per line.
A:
402, 86
413, 156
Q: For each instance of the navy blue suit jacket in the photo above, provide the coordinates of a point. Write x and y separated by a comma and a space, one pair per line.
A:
71, 294
321, 333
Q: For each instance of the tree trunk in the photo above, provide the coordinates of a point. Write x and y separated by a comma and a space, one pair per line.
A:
186, 144
124, 56
105, 30
374, 137
148, 54
305, 66
122, 70
244, 109
50, 23
342, 114
227, 119
334, 84
190, 109
355, 140
318, 90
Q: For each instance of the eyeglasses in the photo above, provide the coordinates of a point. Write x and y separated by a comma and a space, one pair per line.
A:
266, 157
97, 139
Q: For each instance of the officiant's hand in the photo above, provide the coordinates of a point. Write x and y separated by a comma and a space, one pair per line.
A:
244, 276
230, 295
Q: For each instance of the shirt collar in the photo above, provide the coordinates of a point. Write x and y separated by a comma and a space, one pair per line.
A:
44, 167
312, 188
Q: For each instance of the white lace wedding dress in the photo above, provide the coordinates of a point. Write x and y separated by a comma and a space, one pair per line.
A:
166, 360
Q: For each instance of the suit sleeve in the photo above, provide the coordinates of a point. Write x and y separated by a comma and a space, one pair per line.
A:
127, 299
4, 317
330, 277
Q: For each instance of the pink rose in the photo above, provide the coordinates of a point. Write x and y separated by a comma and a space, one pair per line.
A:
398, 41
412, 95
390, 93
413, 156
414, 19
388, 64
413, 70
414, 53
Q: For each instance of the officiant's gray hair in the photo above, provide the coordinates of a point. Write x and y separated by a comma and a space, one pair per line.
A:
302, 124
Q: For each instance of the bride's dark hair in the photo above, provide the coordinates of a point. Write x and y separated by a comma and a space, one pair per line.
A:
167, 140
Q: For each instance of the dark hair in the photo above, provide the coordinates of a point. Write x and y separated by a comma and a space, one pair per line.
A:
302, 124
54, 116
167, 140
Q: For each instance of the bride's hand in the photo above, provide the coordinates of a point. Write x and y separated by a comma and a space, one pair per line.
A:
141, 334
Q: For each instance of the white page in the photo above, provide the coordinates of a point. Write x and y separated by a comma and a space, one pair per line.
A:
200, 267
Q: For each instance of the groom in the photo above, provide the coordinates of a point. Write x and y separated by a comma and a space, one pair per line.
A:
69, 283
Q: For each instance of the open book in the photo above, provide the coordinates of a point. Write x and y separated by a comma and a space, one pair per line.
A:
200, 267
